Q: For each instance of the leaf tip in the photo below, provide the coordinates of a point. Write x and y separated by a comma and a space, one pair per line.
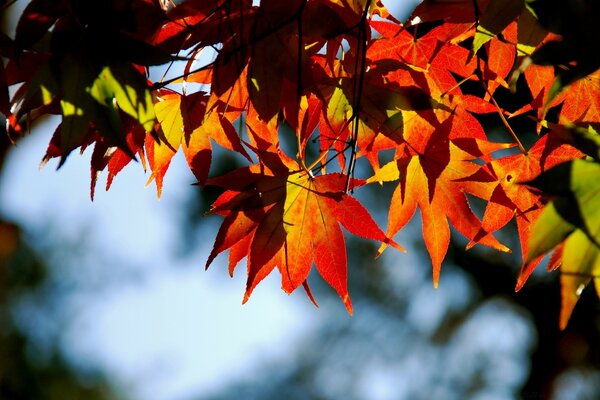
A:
395, 245
526, 270
381, 250
44, 162
520, 284
436, 278
309, 293
523, 276
158, 184
348, 304
247, 294
571, 288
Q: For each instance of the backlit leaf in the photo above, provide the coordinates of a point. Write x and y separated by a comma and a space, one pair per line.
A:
496, 17
292, 220
580, 262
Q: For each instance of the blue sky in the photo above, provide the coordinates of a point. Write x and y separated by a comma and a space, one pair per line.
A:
174, 327
162, 328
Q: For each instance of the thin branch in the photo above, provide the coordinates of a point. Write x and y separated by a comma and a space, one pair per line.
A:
507, 125
161, 84
236, 50
314, 168
479, 75
360, 65
445, 93
299, 87
477, 12
324, 153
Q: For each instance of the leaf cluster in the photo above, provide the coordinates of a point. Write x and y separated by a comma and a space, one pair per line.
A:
353, 84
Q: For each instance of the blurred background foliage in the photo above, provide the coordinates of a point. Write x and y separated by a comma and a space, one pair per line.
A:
26, 370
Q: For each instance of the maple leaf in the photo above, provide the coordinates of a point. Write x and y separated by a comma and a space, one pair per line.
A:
265, 76
539, 81
184, 121
106, 156
430, 170
284, 217
399, 42
573, 218
580, 265
36, 20
582, 100
378, 117
497, 15
501, 57
508, 198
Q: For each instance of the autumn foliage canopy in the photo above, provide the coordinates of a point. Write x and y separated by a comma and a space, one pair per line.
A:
343, 83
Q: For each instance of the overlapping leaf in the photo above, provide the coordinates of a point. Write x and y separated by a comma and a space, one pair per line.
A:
347, 86
184, 121
572, 217
285, 218
430, 169
510, 199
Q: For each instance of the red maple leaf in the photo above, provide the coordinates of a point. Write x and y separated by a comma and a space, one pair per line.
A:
510, 198
282, 216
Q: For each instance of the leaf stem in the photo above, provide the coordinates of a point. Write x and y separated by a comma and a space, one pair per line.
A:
479, 75
313, 166
455, 86
359, 67
253, 40
507, 125
299, 88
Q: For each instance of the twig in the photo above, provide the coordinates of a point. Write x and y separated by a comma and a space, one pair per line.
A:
507, 125
361, 61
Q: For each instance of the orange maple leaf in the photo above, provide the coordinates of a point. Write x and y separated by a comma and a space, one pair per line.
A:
509, 198
284, 217
430, 169
582, 103
184, 122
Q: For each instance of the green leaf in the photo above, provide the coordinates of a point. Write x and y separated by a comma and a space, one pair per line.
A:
482, 36
580, 262
75, 103
586, 187
41, 89
529, 33
585, 139
549, 230
574, 215
339, 108
497, 16
123, 85
577, 183
579, 254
